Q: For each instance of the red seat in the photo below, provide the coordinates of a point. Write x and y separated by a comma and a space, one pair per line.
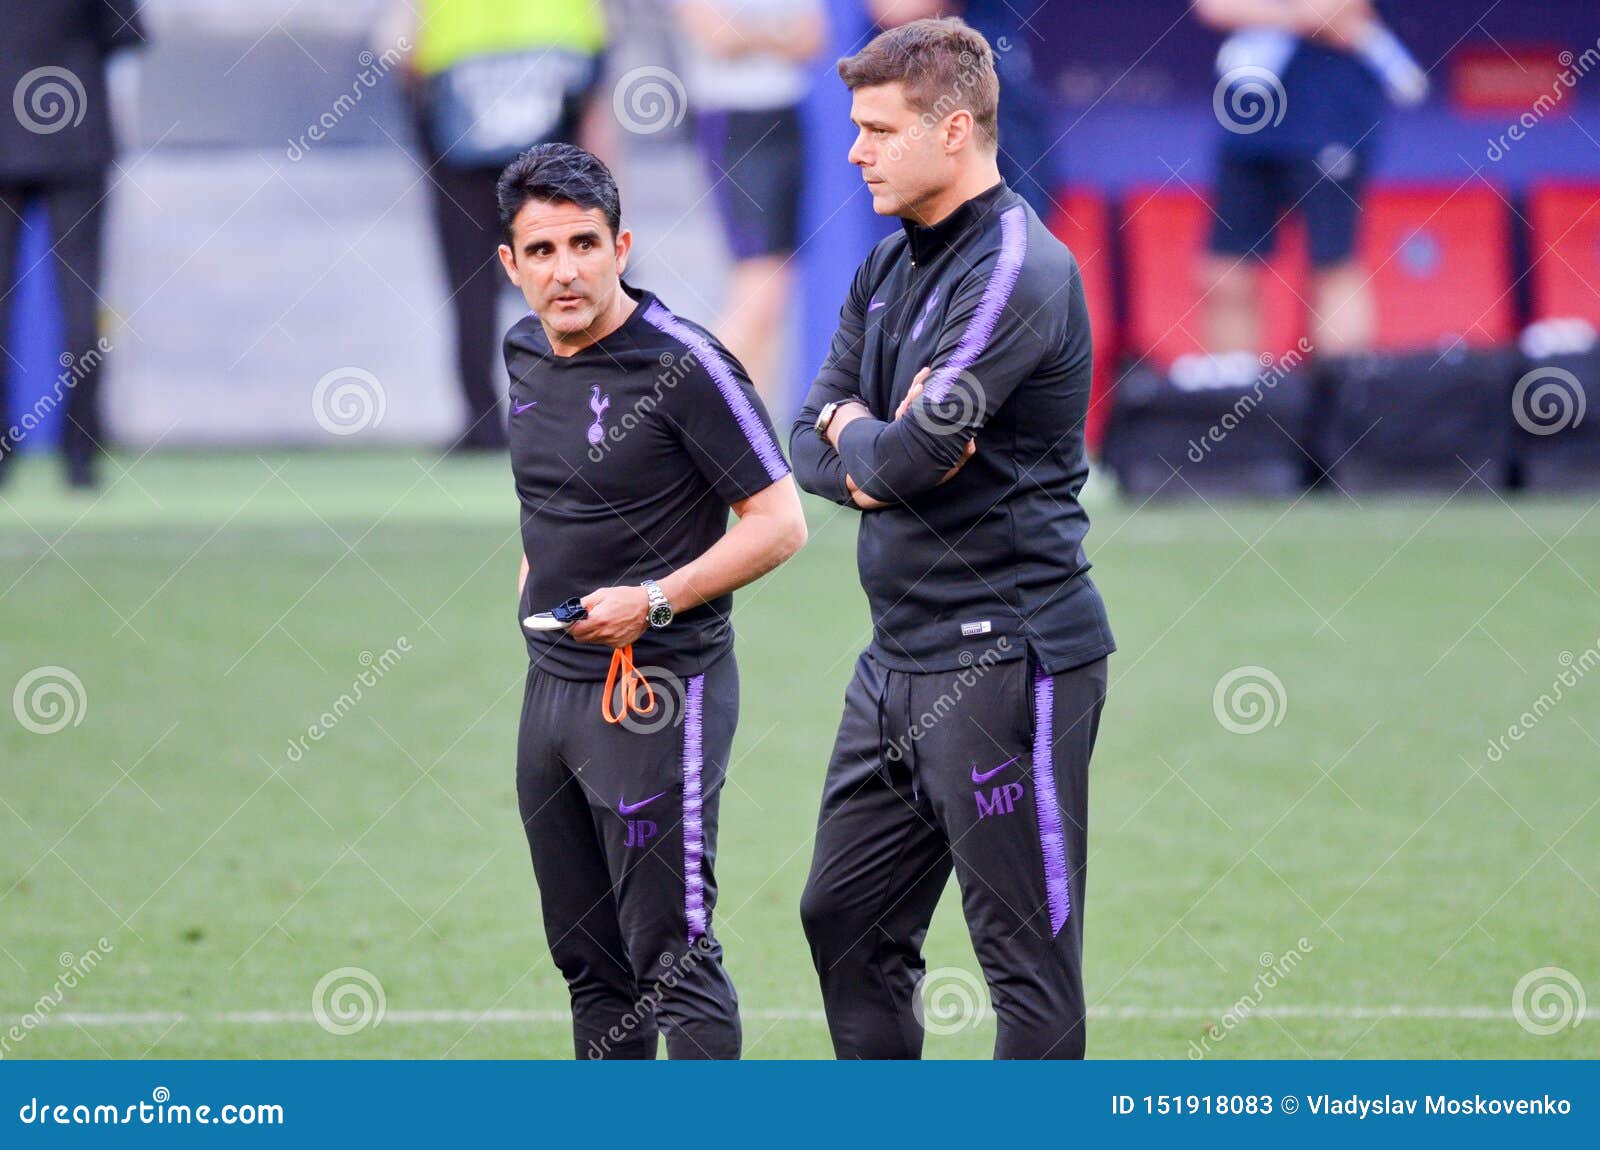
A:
1165, 233
1080, 220
1565, 250
1439, 262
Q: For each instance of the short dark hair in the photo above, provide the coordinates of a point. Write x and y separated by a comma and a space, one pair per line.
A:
560, 173
944, 64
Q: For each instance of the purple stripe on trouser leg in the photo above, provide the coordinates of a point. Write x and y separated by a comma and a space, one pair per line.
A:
1045, 804
694, 885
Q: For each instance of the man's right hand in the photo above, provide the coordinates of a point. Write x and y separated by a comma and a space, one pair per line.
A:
912, 395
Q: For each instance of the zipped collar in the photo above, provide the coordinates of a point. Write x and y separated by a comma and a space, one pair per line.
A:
926, 242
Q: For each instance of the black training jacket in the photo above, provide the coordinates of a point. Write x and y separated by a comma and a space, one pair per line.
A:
994, 303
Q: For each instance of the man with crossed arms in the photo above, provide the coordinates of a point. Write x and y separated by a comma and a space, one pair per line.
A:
950, 413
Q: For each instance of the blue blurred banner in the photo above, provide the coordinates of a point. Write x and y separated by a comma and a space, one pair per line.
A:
911, 1104
35, 337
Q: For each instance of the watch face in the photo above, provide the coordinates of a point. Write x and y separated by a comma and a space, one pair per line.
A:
660, 616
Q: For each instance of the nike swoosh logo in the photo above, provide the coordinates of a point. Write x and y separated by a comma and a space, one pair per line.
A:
627, 808
987, 775
519, 408
876, 304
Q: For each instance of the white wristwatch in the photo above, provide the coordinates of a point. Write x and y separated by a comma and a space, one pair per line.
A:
660, 613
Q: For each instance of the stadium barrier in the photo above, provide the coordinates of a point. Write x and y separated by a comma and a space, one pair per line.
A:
1448, 398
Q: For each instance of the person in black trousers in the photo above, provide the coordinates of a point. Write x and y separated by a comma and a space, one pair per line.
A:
55, 147
487, 81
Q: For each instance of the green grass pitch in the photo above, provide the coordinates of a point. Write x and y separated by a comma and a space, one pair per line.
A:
213, 607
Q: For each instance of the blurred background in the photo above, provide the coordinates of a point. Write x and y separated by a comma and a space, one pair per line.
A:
270, 214
259, 647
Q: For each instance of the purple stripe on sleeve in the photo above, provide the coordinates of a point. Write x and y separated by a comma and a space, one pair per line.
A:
996, 294
694, 885
755, 432
1048, 810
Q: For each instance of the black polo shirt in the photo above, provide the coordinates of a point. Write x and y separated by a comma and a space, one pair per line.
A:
627, 457
995, 304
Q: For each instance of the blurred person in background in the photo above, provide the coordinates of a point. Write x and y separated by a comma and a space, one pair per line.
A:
55, 147
747, 71
1026, 137
1303, 90
490, 78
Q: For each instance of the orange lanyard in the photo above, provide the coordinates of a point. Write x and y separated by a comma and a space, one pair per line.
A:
632, 683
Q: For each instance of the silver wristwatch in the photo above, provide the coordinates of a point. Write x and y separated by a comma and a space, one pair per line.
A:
660, 613
825, 416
